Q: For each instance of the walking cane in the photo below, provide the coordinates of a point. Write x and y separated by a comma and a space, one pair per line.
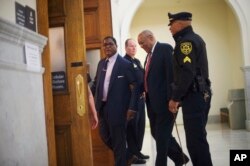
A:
178, 135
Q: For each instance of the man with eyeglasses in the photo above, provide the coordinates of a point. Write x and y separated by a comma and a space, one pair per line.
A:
116, 95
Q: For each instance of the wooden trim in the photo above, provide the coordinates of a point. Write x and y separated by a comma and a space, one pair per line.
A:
43, 28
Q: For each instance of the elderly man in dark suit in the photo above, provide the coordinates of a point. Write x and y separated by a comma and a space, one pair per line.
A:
116, 96
157, 84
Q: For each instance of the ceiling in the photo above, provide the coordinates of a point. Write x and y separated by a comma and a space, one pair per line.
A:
158, 3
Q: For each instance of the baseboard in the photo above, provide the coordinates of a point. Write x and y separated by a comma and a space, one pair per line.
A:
214, 119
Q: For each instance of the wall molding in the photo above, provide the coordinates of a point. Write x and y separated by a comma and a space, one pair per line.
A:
18, 35
13, 37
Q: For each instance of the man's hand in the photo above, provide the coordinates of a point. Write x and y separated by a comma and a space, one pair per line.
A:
130, 114
173, 106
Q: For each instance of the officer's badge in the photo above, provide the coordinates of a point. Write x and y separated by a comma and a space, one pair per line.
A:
186, 59
186, 48
135, 66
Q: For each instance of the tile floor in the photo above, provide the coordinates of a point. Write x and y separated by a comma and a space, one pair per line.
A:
221, 139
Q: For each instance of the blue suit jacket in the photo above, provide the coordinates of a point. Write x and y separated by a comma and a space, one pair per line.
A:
120, 97
160, 77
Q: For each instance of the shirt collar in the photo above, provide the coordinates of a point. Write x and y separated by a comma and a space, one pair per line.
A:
113, 58
153, 48
129, 57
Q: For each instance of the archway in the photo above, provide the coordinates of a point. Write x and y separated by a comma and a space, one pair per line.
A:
228, 16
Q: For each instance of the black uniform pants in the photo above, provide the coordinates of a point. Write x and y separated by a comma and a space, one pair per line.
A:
195, 110
136, 130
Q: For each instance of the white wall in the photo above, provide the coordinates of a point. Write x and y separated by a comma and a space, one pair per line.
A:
7, 8
216, 23
243, 15
23, 140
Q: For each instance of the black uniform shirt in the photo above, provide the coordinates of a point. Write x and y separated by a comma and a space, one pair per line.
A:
190, 59
139, 71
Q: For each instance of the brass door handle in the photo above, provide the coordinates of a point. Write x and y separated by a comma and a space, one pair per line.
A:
80, 95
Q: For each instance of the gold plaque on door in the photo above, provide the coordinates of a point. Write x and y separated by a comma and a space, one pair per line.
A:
80, 95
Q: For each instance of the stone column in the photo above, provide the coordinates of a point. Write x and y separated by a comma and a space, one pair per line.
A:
246, 71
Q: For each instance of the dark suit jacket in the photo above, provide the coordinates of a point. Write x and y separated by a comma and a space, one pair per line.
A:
120, 97
160, 77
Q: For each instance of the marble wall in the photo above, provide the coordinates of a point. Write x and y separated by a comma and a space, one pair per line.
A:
23, 139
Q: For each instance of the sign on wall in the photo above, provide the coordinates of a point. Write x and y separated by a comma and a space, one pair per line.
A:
58, 81
30, 18
32, 57
20, 14
25, 16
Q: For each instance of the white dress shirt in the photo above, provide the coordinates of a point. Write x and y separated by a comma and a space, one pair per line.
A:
108, 76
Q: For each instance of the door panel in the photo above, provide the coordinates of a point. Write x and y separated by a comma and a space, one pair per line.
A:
43, 28
63, 140
97, 15
68, 133
72, 128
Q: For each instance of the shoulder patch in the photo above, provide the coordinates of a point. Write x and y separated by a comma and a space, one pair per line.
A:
186, 47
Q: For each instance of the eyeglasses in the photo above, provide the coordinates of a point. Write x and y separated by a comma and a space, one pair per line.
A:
108, 44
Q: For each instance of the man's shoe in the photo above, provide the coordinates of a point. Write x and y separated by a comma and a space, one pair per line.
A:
139, 161
185, 160
132, 160
142, 156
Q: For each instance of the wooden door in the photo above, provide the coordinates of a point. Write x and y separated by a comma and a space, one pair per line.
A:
98, 24
68, 67
68, 132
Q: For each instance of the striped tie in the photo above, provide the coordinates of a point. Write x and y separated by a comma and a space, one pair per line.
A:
149, 56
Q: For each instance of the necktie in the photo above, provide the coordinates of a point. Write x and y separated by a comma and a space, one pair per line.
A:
146, 71
102, 78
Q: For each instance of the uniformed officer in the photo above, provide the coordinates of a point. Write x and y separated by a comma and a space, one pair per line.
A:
136, 126
191, 87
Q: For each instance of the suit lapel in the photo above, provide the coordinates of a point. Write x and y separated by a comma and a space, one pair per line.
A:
154, 54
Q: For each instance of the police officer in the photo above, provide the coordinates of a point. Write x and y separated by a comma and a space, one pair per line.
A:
191, 87
136, 126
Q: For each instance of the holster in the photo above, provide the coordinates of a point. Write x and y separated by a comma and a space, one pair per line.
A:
200, 84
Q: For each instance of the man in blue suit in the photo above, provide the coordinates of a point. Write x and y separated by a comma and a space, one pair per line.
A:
157, 85
116, 96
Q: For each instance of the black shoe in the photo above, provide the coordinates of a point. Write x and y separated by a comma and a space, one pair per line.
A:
142, 156
139, 161
185, 160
